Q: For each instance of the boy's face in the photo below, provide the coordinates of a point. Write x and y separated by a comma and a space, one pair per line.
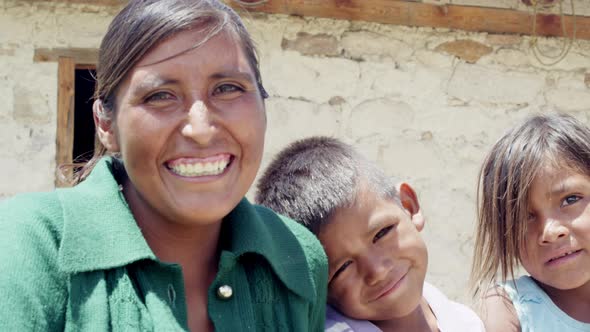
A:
377, 257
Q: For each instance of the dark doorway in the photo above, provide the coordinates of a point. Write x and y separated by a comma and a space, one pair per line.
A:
83, 122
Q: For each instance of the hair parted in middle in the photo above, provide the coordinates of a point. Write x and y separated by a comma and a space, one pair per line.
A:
142, 25
503, 191
311, 178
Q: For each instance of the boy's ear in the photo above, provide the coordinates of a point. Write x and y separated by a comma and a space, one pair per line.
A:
104, 127
409, 201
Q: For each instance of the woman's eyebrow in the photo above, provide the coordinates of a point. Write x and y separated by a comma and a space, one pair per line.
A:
241, 75
152, 82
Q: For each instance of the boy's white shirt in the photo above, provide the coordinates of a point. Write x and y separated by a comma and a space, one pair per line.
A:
451, 316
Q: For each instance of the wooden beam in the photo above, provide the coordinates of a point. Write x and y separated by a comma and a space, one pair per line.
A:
469, 18
66, 75
81, 56
108, 3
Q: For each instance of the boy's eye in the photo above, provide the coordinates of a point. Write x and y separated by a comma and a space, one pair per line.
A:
341, 269
569, 200
382, 232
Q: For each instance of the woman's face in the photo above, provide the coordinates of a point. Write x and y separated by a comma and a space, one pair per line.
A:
190, 128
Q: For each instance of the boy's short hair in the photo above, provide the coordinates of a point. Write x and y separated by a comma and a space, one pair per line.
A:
311, 178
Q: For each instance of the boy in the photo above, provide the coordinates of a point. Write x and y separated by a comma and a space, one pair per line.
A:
370, 231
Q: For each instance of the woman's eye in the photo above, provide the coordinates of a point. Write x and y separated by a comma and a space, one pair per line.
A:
569, 200
341, 269
159, 96
227, 89
382, 233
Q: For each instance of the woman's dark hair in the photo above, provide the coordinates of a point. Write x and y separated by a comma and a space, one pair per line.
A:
143, 24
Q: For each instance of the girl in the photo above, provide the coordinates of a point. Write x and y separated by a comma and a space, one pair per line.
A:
534, 213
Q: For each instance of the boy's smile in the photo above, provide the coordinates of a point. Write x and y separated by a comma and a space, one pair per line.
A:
377, 258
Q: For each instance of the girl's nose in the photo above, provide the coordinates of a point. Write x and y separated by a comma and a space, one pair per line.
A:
200, 125
553, 230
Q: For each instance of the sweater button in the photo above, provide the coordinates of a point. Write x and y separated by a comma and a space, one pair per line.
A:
225, 292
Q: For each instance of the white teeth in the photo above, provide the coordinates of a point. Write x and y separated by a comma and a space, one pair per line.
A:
200, 169
565, 254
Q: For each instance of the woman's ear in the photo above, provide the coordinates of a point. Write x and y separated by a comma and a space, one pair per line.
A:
104, 127
409, 201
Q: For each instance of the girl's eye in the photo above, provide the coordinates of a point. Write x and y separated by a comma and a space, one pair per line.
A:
531, 217
382, 233
569, 200
227, 88
341, 269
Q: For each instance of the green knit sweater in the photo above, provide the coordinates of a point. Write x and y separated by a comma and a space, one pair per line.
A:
75, 260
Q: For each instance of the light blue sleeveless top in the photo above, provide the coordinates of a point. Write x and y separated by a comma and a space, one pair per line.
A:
536, 312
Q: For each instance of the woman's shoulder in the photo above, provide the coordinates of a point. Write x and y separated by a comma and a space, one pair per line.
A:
290, 230
40, 209
31, 282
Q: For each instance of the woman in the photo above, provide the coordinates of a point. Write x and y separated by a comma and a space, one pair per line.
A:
158, 235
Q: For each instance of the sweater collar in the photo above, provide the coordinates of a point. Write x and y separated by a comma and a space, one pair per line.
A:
100, 233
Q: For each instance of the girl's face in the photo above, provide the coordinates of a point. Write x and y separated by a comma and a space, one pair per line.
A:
557, 249
190, 127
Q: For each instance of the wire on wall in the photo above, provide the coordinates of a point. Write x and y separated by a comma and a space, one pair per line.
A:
250, 3
544, 57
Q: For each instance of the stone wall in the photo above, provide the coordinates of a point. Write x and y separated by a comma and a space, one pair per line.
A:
426, 104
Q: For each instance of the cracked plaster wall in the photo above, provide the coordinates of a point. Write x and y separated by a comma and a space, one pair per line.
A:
425, 104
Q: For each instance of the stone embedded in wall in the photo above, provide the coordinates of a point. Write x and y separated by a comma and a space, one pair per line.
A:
494, 85
379, 119
6, 52
511, 57
318, 44
30, 106
587, 80
465, 49
569, 94
336, 101
292, 75
503, 40
361, 45
426, 136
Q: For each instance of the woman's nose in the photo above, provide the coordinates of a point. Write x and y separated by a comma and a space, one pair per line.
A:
200, 125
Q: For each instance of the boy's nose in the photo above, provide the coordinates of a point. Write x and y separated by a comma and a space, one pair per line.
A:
200, 124
553, 230
376, 270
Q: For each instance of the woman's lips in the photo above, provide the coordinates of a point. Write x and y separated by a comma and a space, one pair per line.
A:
199, 167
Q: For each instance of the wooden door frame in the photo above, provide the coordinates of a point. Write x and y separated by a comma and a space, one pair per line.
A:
68, 60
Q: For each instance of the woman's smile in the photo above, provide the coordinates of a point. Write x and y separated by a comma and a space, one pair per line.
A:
192, 167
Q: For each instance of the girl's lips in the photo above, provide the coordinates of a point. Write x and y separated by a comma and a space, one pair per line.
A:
563, 257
